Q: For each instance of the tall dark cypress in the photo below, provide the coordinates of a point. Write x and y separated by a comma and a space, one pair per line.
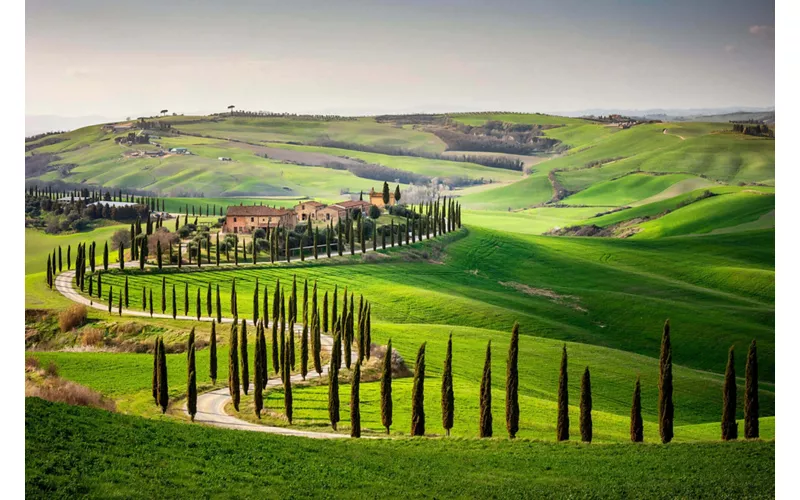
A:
562, 427
265, 306
164, 294
730, 428
255, 303
333, 388
355, 402
448, 398
282, 336
150, 301
386, 388
244, 358
317, 343
174, 311
198, 305
751, 394
637, 425
586, 407
276, 362
105, 257
304, 352
287, 383
219, 307
325, 313
258, 396
263, 353
185, 298
126, 291
666, 410
486, 395
163, 390
234, 309
213, 353
418, 395
191, 391
512, 384
209, 309
233, 365
156, 356
158, 253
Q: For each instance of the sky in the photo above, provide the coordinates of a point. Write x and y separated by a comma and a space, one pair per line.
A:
116, 59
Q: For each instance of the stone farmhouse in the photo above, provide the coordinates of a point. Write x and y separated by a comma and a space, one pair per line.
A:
246, 219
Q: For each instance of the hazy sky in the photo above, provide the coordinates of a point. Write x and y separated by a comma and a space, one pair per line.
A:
114, 58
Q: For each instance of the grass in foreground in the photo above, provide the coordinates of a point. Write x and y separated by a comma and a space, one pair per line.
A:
132, 457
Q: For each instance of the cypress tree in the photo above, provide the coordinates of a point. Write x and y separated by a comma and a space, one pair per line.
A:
258, 397
666, 409
219, 307
337, 342
512, 384
263, 353
69, 257
448, 399
751, 394
209, 309
562, 428
244, 358
90, 289
191, 393
275, 318
151, 302
119, 304
233, 365
59, 257
265, 306
486, 394
144, 299
317, 344
105, 257
164, 294
185, 298
386, 388
586, 407
212, 356
234, 309
287, 382
255, 303
282, 336
637, 425
304, 352
730, 428
180, 256
143, 254
334, 311
121, 257
333, 388
355, 402
418, 395
368, 325
126, 291
158, 253
156, 357
50, 273
110, 297
163, 390
217, 250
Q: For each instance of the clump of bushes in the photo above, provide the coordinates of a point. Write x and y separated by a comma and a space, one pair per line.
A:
72, 317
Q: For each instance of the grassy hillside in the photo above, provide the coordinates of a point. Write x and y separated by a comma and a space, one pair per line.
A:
710, 214
625, 190
134, 457
39, 244
700, 149
612, 293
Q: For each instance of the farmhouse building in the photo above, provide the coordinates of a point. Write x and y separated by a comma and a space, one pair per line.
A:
376, 198
307, 210
246, 219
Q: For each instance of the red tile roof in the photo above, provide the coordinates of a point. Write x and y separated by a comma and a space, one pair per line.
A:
257, 211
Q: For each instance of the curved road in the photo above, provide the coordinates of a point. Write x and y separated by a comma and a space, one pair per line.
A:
211, 405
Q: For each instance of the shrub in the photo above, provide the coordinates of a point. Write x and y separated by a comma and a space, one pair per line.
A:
91, 336
73, 316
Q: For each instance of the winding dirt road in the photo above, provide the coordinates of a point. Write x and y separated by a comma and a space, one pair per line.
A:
211, 405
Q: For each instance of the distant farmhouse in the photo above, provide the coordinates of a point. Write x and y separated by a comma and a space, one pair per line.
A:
376, 198
246, 219
180, 151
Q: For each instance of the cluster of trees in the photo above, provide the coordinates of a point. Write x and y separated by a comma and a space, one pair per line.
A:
342, 327
756, 129
378, 172
133, 138
488, 161
467, 138
291, 116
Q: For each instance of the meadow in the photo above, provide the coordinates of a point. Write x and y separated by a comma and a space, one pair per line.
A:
139, 458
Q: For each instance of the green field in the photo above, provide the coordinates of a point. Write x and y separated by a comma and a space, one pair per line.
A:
134, 457
693, 209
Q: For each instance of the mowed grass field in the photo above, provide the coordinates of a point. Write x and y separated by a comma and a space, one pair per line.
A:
139, 458
606, 292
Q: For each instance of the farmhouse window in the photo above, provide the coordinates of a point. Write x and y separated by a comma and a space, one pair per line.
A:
234, 219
